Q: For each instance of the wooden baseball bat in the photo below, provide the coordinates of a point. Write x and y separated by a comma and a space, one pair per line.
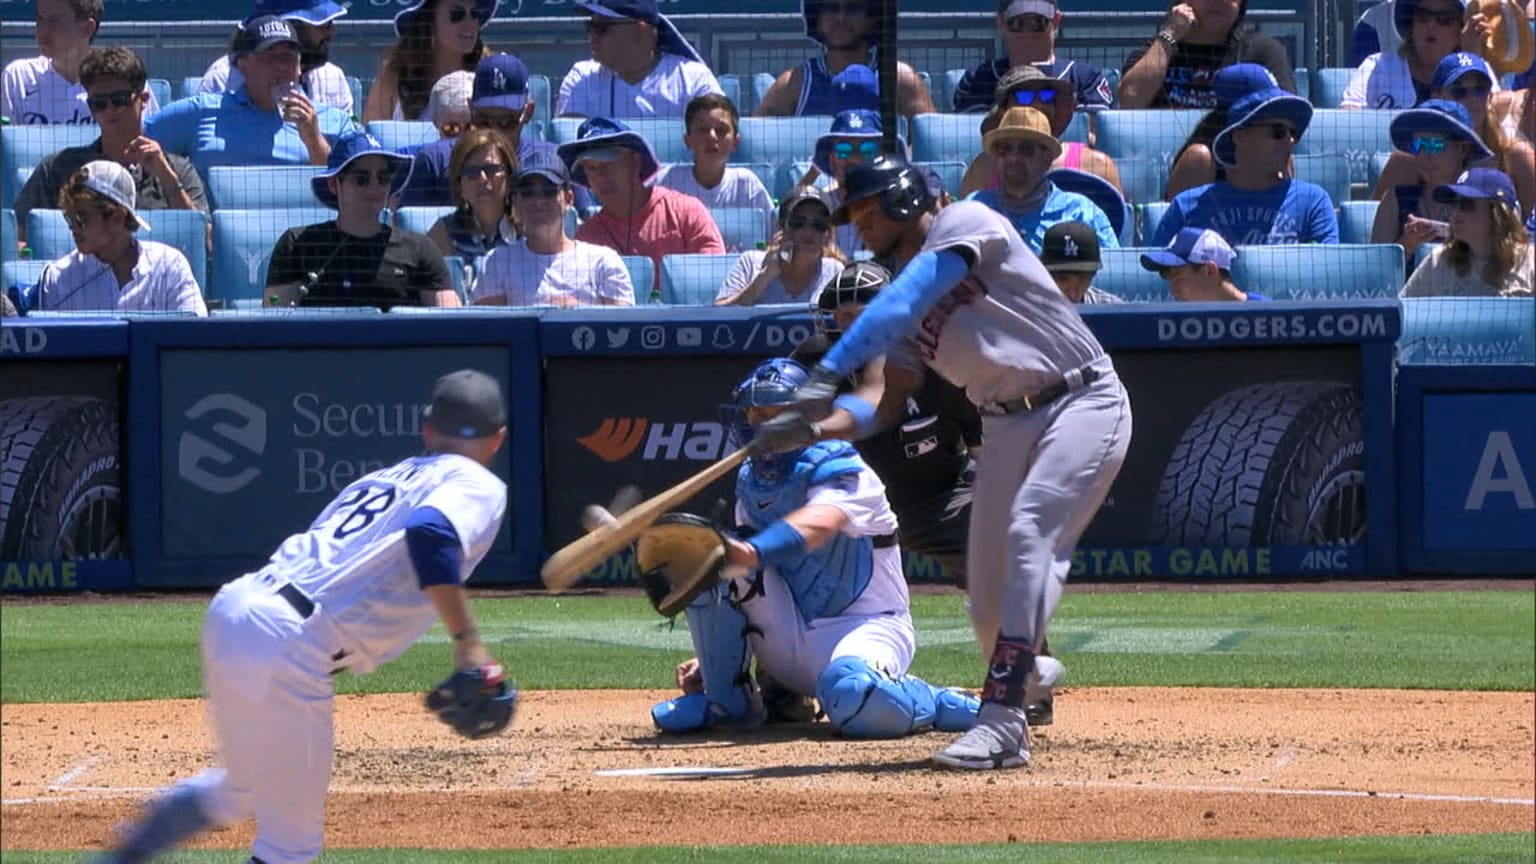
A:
577, 558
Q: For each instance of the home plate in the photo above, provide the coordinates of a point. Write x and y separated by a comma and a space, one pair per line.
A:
674, 771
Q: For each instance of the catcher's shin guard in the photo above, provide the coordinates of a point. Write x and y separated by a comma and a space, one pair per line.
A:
860, 701
719, 631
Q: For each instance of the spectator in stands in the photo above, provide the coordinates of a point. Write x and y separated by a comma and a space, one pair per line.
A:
616, 164
114, 85
1197, 263
800, 259
1024, 149
1430, 30
1177, 67
849, 31
46, 88
712, 133
7, 308
1028, 29
314, 22
498, 102
544, 267
855, 136
1028, 86
1489, 252
1070, 253
481, 166
434, 38
1194, 165
269, 121
111, 269
355, 260
640, 67
1374, 33
1440, 138
450, 103
1257, 204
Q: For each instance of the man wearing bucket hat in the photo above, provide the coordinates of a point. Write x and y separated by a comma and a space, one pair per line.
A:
1197, 263
1487, 252
268, 121
111, 268
1430, 31
1440, 144
617, 165
1029, 29
855, 137
1258, 203
640, 67
848, 31
1195, 40
354, 259
1024, 149
314, 22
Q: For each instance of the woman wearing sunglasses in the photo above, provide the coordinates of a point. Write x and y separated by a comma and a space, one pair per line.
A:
1437, 143
799, 261
480, 172
1488, 253
1431, 30
435, 37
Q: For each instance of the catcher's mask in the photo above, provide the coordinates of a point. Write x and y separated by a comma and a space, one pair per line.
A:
857, 284
771, 384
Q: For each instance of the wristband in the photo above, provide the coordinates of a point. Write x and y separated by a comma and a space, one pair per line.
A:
1166, 37
864, 421
776, 543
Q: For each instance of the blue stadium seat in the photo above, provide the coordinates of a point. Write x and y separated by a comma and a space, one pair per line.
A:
420, 219
19, 280
1150, 214
395, 134
1328, 170
161, 89
769, 175
1465, 330
1328, 87
1077, 130
1123, 276
1355, 221
242, 246
642, 276
760, 82
188, 87
250, 307
1320, 272
359, 90
693, 280
946, 137
539, 92
23, 146
1148, 134
8, 236
944, 100
731, 86
1378, 165
779, 140
1143, 179
665, 135
1304, 84
741, 228
1421, 254
951, 174
1357, 135
261, 187
456, 273
48, 236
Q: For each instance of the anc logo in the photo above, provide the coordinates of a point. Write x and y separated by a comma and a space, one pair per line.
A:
615, 438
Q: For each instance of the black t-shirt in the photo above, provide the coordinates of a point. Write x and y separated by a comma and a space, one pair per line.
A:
1188, 81
391, 268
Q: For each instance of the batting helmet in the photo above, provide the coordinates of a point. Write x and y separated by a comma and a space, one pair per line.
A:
858, 283
772, 384
903, 191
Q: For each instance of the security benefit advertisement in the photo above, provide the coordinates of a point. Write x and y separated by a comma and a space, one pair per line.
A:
256, 443
1243, 462
61, 497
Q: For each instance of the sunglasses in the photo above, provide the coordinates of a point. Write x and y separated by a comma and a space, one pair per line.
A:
1459, 92
537, 190
1046, 96
503, 122
795, 223
1027, 149
1466, 205
362, 179
1028, 24
482, 172
601, 28
847, 10
117, 99
1429, 145
457, 14
865, 149
1279, 131
1446, 18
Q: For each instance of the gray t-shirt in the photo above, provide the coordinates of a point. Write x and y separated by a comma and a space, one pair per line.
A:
41, 191
750, 264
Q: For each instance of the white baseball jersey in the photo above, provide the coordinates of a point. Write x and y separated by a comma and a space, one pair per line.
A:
161, 281
325, 85
590, 90
1005, 331
353, 561
32, 93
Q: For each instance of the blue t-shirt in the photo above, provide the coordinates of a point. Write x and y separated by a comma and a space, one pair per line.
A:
1291, 211
428, 186
1254, 295
228, 129
1059, 206
978, 87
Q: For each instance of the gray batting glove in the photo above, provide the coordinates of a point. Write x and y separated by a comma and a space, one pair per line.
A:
787, 431
813, 400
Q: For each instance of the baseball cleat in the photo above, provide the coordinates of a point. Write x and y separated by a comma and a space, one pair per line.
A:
1040, 691
999, 740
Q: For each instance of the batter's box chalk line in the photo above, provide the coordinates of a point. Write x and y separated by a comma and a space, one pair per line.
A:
1259, 790
672, 771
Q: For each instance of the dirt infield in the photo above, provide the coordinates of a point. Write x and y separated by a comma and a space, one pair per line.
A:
1122, 763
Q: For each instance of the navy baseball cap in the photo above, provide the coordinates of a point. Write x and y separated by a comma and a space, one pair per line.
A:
259, 34
501, 81
1477, 183
1191, 246
467, 404
637, 10
544, 163
316, 12
1071, 247
1461, 63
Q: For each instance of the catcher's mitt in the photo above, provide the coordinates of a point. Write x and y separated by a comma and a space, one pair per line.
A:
475, 702
678, 558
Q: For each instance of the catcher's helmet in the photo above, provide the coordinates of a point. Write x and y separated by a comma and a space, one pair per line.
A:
858, 283
902, 190
772, 383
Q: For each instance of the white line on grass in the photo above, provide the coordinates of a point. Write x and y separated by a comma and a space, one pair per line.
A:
1259, 790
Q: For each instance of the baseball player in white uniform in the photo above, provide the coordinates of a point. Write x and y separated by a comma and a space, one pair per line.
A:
352, 591
974, 304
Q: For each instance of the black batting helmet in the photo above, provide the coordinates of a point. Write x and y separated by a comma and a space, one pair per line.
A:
902, 190
858, 283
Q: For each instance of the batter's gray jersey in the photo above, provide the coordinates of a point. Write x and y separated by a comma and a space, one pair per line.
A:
1005, 331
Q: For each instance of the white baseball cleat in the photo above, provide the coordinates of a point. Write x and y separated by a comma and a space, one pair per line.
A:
1000, 739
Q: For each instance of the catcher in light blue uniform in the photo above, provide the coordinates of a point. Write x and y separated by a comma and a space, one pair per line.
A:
815, 591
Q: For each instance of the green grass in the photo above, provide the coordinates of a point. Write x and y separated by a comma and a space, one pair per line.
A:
1453, 849
1472, 640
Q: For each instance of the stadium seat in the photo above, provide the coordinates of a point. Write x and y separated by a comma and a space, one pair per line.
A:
944, 100
19, 280
642, 276
396, 134
420, 219
1150, 214
1077, 130
247, 308
1421, 254
456, 268
261, 187
693, 280
8, 236
779, 140
741, 228
359, 90
759, 84
1357, 135
187, 230
769, 175
1320, 272
731, 86
665, 135
1378, 165
1304, 84
946, 137
242, 246
161, 89
1328, 170
1143, 179
1147, 134
792, 173
1462, 330
1355, 221
539, 92
1327, 89
24, 146
188, 87
1122, 275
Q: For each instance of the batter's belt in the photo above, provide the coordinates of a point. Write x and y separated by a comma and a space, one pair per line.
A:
1074, 379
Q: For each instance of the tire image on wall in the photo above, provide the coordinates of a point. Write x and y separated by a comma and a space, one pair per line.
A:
1268, 465
60, 496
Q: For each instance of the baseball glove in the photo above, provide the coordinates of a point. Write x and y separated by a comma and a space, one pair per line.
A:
678, 558
475, 702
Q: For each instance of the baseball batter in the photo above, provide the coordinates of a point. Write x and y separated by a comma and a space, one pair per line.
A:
975, 305
818, 598
353, 591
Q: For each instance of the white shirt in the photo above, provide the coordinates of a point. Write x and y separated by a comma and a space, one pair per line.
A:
327, 84
161, 282
750, 264
33, 93
590, 90
739, 188
1383, 80
588, 275
1437, 277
